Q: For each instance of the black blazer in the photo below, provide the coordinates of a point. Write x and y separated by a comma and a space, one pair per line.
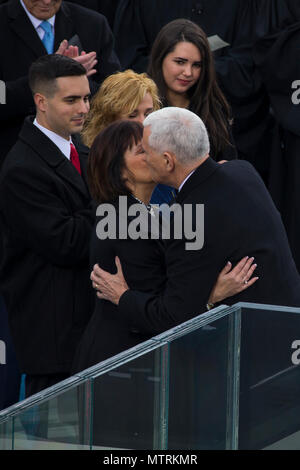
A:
47, 220
240, 219
23, 46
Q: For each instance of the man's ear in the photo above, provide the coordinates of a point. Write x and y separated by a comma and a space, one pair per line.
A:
169, 159
40, 101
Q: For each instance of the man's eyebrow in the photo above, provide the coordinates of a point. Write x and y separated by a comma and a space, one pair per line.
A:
76, 96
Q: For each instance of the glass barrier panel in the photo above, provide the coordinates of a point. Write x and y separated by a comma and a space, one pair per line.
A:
122, 402
54, 424
6, 435
199, 394
269, 413
129, 404
226, 380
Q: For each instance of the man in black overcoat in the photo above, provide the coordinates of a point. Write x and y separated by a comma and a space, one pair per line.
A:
47, 217
22, 44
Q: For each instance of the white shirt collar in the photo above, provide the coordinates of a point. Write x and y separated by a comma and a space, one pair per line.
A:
60, 142
35, 21
185, 180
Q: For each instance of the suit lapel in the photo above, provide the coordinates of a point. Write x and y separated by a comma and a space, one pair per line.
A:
83, 165
23, 28
201, 174
64, 27
83, 152
52, 156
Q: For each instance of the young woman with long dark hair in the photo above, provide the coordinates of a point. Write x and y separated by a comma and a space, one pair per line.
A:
182, 66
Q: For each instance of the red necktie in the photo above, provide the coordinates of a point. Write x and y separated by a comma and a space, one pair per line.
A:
74, 157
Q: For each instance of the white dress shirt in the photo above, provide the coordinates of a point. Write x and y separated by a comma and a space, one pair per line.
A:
63, 144
185, 180
36, 22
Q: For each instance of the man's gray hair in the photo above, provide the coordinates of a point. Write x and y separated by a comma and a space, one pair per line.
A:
180, 131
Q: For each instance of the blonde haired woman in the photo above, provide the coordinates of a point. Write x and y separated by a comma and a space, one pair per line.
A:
125, 95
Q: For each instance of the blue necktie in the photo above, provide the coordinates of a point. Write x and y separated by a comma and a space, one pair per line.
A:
48, 39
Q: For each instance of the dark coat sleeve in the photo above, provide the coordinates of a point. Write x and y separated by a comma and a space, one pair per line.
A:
184, 297
191, 274
108, 61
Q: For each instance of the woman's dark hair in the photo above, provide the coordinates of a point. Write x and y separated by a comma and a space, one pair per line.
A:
106, 159
206, 97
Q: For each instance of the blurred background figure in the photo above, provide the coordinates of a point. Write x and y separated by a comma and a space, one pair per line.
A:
137, 22
107, 8
275, 59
